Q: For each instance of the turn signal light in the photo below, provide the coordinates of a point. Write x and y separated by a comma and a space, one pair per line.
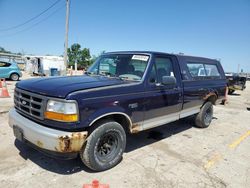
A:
61, 117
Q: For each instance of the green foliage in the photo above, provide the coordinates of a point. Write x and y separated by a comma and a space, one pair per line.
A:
94, 57
82, 56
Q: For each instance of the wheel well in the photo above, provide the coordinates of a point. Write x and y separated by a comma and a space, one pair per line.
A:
119, 118
212, 98
14, 73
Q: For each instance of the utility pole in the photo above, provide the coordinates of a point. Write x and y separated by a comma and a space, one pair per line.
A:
66, 35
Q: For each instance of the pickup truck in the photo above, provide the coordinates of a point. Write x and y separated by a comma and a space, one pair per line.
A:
235, 82
121, 93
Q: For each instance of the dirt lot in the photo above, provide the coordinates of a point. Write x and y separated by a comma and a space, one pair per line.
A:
174, 155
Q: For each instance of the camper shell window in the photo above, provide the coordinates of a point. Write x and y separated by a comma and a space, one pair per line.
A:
202, 71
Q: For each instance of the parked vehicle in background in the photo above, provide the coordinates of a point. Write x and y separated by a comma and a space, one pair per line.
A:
235, 82
10, 70
121, 93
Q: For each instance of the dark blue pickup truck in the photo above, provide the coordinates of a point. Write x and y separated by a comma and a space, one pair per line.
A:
121, 93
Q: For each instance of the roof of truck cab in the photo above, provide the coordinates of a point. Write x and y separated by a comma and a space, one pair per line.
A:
180, 57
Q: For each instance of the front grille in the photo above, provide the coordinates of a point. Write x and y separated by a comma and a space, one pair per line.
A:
29, 103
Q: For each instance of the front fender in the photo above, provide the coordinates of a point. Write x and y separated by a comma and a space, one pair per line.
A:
105, 112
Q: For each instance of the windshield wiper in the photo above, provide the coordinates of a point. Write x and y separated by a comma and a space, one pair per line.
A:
108, 74
90, 73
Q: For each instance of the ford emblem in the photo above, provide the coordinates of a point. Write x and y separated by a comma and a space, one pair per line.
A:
24, 102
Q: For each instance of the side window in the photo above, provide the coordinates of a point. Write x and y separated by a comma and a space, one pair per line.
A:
212, 70
202, 70
164, 67
7, 65
196, 69
3, 64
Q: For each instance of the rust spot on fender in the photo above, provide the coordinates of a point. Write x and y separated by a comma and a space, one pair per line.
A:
209, 95
135, 128
72, 142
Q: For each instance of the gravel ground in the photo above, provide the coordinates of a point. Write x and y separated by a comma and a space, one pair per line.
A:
174, 155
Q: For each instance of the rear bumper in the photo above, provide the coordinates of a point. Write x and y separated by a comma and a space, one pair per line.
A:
237, 87
51, 141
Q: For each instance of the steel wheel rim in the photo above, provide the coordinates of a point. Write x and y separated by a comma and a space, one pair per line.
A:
208, 116
107, 147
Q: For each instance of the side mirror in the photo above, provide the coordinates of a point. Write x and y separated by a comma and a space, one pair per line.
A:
169, 80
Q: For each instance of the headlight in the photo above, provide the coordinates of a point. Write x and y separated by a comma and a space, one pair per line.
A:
61, 111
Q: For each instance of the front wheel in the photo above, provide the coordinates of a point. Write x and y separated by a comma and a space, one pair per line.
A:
104, 146
205, 116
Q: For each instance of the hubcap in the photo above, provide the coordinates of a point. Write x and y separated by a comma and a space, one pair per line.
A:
14, 77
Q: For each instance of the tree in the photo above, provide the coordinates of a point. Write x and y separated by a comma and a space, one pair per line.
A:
82, 56
85, 58
94, 57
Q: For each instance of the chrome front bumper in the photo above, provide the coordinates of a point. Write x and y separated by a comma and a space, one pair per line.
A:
43, 137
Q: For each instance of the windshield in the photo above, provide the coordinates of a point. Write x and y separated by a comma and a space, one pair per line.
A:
124, 66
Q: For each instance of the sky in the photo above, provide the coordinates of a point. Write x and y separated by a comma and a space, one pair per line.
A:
218, 29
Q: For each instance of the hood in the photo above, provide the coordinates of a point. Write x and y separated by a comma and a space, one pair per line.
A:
62, 86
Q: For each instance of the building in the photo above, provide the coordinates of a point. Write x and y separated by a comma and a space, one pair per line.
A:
44, 65
38, 65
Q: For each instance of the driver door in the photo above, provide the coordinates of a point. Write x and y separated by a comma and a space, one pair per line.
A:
162, 102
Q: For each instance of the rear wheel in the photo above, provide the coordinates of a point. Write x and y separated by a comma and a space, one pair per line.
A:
14, 77
205, 116
104, 146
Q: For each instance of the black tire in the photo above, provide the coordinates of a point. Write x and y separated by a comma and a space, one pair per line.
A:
104, 146
14, 77
205, 116
231, 91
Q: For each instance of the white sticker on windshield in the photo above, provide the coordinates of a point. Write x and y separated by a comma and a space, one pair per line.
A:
140, 57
